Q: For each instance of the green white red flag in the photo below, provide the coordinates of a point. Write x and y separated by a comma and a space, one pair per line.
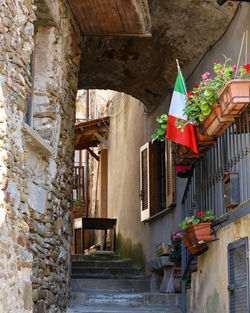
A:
187, 137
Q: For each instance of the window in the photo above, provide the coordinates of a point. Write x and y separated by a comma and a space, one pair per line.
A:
44, 74
238, 276
28, 116
157, 180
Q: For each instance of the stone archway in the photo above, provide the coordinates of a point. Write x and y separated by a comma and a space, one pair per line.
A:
145, 67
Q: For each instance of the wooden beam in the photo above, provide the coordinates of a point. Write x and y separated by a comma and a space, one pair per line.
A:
77, 139
93, 154
91, 129
102, 139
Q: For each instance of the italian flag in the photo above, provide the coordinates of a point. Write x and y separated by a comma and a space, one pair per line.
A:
187, 137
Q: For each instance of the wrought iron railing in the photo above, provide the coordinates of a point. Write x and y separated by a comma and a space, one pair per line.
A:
78, 182
206, 187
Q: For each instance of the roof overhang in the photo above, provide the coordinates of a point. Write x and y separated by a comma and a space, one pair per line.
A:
112, 17
91, 133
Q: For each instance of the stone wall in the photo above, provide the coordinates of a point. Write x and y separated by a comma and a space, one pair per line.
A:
36, 164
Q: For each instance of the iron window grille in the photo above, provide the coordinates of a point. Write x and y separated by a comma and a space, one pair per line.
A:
238, 276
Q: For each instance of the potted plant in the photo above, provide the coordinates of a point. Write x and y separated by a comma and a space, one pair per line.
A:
223, 97
183, 171
197, 230
175, 257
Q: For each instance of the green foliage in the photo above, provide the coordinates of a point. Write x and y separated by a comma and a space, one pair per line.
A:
175, 251
161, 130
206, 216
204, 95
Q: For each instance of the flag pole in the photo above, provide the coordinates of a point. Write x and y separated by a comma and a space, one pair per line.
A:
182, 79
246, 45
242, 41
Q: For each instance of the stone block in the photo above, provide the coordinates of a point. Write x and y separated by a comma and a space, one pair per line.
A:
27, 296
37, 198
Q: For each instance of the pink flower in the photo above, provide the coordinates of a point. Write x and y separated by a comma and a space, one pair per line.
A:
208, 80
205, 75
216, 61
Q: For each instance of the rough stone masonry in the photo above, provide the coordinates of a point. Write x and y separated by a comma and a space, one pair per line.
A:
39, 62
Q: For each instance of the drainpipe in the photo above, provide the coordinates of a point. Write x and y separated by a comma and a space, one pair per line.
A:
183, 265
87, 162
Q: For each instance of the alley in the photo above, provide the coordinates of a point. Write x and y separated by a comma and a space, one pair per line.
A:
103, 282
124, 156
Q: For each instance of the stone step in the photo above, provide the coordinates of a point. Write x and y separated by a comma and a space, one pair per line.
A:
106, 271
125, 299
124, 309
107, 276
119, 285
97, 255
97, 263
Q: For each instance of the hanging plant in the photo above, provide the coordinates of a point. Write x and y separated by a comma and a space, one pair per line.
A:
161, 130
201, 99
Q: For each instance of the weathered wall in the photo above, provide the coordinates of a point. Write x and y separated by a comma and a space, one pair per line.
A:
130, 128
209, 285
35, 204
145, 67
209, 292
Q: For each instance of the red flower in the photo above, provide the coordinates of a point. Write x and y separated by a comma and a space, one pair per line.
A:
196, 86
197, 95
190, 99
189, 93
247, 67
200, 214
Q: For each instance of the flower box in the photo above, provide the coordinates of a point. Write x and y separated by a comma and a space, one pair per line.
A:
215, 124
193, 249
203, 139
185, 156
196, 236
234, 97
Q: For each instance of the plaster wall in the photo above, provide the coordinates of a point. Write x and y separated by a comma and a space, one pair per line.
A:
130, 128
209, 284
228, 45
208, 291
36, 162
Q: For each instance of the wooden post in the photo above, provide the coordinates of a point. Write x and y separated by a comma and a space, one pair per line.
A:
105, 239
82, 238
75, 239
114, 237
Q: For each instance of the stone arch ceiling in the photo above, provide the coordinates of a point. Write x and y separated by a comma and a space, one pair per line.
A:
145, 67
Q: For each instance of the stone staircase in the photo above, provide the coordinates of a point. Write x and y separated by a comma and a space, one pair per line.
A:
102, 282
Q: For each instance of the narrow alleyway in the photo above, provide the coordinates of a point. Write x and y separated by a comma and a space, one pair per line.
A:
102, 282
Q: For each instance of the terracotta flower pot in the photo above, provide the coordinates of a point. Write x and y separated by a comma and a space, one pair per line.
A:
234, 97
215, 124
191, 248
185, 156
196, 236
177, 279
203, 139
200, 230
